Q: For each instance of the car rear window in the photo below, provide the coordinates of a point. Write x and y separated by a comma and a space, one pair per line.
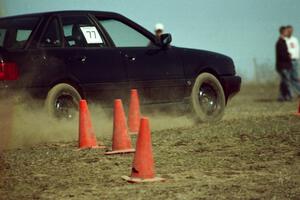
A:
14, 33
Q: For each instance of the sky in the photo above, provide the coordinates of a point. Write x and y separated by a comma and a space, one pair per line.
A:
241, 29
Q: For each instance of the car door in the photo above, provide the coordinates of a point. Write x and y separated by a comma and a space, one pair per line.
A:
97, 67
46, 55
157, 72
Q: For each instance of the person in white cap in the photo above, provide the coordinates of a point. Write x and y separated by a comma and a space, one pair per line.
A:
293, 48
159, 30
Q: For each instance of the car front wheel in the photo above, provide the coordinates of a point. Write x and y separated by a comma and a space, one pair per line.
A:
207, 98
62, 101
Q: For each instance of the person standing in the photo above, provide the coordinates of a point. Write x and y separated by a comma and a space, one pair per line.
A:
293, 49
159, 30
283, 66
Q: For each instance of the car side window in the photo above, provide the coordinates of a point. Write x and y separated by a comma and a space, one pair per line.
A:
2, 36
15, 32
124, 35
79, 31
51, 37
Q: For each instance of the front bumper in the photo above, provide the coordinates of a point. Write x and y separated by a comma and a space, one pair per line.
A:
231, 85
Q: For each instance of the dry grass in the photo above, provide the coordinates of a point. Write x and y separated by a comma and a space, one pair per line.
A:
254, 153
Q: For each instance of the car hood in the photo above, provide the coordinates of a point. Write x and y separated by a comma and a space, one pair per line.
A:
195, 61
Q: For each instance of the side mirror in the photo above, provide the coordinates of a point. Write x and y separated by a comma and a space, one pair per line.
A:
165, 39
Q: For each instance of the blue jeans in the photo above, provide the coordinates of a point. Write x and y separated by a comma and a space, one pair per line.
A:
295, 77
285, 92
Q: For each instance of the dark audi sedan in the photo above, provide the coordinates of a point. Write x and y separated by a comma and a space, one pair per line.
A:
61, 57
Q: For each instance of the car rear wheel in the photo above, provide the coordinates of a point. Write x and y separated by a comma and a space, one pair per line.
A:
207, 98
62, 101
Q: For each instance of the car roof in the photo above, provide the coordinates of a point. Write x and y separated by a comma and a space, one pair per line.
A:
64, 12
94, 12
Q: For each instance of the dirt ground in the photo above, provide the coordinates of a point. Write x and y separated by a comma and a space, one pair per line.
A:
253, 153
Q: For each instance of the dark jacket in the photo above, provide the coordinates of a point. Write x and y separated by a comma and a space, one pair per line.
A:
283, 59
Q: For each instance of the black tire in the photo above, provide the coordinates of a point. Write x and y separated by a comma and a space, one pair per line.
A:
62, 101
207, 99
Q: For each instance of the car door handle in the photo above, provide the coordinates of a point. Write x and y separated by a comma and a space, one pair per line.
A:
42, 59
130, 58
38, 58
78, 58
82, 59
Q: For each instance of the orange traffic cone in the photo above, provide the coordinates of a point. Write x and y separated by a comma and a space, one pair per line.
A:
87, 137
121, 139
298, 113
134, 112
143, 163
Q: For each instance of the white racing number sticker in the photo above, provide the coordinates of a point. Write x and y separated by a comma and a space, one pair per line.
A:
91, 35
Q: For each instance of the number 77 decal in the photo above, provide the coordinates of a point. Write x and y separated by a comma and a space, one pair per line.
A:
91, 35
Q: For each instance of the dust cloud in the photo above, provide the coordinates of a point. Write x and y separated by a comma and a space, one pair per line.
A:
163, 120
26, 124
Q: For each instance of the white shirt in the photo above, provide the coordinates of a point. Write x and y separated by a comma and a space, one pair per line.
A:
293, 47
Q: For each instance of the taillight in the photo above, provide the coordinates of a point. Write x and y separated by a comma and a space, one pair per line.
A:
9, 71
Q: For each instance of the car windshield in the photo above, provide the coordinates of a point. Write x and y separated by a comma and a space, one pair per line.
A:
14, 33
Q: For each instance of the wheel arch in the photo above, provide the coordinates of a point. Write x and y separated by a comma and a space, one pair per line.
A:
208, 70
71, 82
